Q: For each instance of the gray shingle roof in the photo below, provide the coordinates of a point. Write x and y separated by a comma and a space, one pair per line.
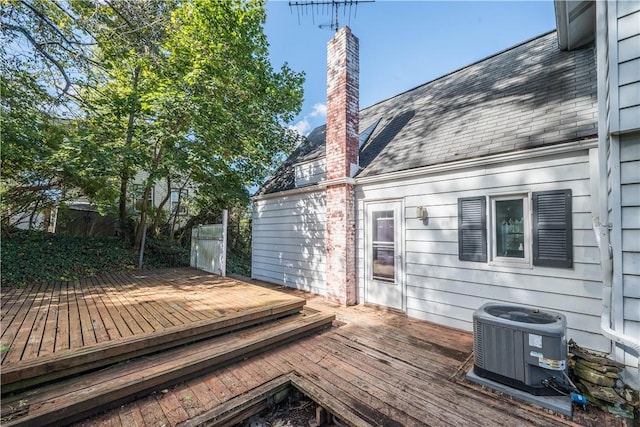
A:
528, 96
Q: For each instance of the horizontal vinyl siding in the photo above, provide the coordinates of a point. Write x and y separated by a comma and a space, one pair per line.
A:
310, 172
627, 38
443, 289
288, 241
630, 210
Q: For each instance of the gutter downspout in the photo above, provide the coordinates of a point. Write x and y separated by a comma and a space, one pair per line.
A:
602, 230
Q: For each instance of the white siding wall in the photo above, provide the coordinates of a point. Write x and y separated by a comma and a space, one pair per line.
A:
310, 172
624, 48
442, 289
630, 210
289, 241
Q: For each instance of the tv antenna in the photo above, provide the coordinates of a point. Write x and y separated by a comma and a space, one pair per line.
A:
327, 7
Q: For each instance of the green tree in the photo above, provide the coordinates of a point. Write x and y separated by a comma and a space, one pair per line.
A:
172, 90
194, 96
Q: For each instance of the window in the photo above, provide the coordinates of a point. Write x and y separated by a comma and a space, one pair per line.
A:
137, 193
383, 246
542, 237
510, 229
178, 204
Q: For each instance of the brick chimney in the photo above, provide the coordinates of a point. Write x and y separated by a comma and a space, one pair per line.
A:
342, 158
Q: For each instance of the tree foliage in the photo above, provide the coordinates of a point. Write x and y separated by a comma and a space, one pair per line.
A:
172, 91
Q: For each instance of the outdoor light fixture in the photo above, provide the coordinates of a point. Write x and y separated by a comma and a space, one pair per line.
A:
421, 213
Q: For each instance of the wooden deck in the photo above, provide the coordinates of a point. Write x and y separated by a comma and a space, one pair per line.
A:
70, 328
385, 368
38, 321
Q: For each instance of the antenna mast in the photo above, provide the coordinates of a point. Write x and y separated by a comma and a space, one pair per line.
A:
330, 7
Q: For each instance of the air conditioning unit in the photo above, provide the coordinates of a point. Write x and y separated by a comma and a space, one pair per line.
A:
521, 347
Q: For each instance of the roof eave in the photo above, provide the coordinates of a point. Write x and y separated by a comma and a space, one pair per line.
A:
575, 22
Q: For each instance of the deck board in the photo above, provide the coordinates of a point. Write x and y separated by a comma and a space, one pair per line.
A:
42, 320
386, 368
62, 339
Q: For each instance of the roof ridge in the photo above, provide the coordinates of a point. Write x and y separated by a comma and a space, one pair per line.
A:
460, 69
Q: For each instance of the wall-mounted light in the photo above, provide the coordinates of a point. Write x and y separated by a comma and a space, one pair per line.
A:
421, 213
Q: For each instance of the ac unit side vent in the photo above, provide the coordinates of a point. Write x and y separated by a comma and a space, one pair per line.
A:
478, 344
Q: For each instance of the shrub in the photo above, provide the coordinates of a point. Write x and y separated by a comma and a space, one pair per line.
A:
36, 256
165, 253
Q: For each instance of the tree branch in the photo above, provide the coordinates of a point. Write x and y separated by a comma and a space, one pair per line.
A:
44, 53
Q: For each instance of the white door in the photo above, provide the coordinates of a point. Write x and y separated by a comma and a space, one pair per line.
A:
383, 263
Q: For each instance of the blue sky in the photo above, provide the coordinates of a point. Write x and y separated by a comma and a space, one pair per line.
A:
402, 44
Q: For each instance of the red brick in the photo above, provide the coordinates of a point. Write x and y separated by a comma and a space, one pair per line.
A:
342, 151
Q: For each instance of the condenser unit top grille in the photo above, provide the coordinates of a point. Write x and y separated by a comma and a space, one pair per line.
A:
521, 314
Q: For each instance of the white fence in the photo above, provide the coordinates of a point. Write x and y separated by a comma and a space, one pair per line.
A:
209, 247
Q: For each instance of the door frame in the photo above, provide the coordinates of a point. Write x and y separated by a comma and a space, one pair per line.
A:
399, 208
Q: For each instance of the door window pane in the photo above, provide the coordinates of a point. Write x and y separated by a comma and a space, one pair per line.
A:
383, 246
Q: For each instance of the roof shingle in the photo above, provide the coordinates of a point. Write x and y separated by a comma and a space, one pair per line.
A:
528, 96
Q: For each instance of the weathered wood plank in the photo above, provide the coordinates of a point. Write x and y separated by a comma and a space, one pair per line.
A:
130, 416
103, 354
357, 383
152, 413
231, 382
98, 389
49, 332
22, 335
203, 393
188, 401
36, 336
93, 330
110, 310
163, 302
78, 319
396, 387
143, 317
14, 299
157, 312
217, 387
327, 400
173, 411
364, 405
13, 328
181, 305
236, 409
107, 318
62, 341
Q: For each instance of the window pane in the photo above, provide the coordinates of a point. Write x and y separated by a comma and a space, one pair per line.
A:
383, 247
383, 226
383, 263
510, 228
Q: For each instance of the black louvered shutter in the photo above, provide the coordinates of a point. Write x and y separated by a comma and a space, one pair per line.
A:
552, 229
472, 229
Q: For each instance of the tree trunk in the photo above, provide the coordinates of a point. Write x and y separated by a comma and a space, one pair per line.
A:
125, 172
122, 201
137, 244
144, 208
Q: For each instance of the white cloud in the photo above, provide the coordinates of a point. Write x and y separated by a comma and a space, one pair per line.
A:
303, 126
319, 110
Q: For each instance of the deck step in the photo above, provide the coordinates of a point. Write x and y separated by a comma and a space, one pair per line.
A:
30, 373
73, 399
